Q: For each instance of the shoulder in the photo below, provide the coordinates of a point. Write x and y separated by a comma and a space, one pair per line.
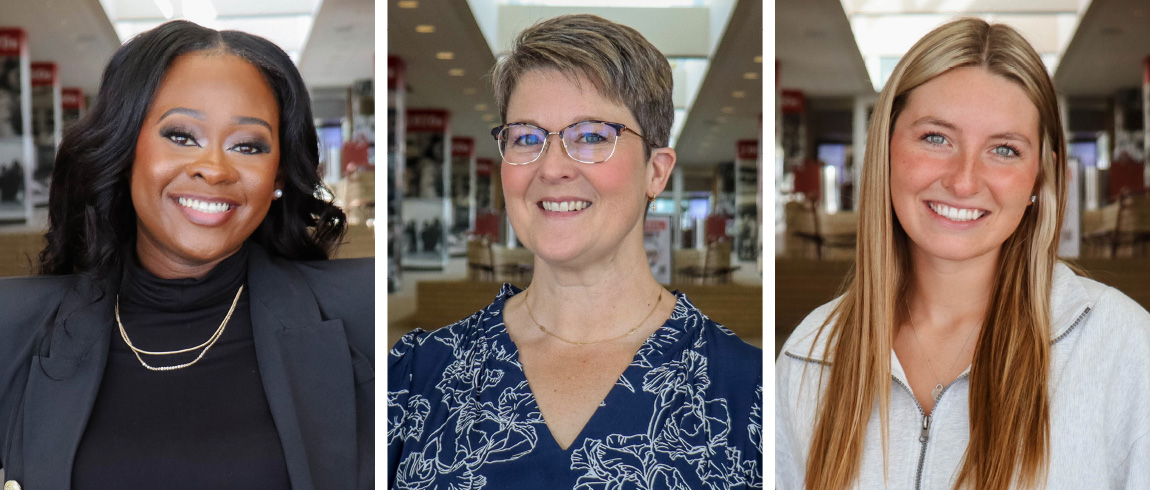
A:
805, 342
420, 353
1102, 313
23, 299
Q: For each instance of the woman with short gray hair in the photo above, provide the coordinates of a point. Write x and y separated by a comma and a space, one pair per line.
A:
583, 379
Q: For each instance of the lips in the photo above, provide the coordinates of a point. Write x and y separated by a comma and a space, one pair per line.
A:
206, 211
566, 206
955, 213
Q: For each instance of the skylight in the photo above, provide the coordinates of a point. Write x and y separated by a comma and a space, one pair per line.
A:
284, 22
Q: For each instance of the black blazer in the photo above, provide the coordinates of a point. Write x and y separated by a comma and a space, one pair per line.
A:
314, 330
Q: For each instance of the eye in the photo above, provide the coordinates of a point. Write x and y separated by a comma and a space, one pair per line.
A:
934, 139
1006, 151
251, 148
591, 138
180, 137
528, 139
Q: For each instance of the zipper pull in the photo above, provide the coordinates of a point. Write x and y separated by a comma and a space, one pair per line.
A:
924, 436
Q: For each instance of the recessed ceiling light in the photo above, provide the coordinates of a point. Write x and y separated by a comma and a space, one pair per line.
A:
489, 117
759, 59
481, 107
445, 55
455, 72
408, 4
727, 110
738, 94
721, 120
425, 28
751, 75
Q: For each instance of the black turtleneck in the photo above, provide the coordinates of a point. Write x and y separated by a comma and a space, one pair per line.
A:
204, 426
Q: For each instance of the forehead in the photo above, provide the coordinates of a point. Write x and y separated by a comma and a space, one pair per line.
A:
554, 99
975, 98
221, 81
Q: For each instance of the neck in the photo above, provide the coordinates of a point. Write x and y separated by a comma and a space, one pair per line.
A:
946, 295
596, 302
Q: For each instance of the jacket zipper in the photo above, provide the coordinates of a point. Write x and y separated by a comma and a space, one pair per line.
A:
924, 436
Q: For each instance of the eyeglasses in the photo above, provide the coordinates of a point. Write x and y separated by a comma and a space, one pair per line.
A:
584, 142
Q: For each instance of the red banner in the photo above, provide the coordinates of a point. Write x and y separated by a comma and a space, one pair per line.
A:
483, 167
427, 120
747, 149
395, 68
43, 74
11, 39
792, 101
462, 146
73, 98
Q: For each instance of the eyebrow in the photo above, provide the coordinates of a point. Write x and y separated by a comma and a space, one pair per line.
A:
243, 120
577, 121
1007, 135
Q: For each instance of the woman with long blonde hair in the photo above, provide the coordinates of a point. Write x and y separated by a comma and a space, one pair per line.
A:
963, 354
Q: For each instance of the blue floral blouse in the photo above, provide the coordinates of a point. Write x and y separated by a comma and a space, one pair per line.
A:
685, 414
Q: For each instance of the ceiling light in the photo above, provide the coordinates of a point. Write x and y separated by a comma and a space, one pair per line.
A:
751, 75
727, 110
759, 59
408, 4
481, 107
738, 94
721, 120
468, 91
455, 72
445, 55
489, 117
425, 28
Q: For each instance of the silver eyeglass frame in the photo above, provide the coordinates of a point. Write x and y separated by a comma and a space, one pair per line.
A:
619, 128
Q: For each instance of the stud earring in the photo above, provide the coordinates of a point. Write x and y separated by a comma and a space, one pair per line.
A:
1033, 198
278, 193
651, 202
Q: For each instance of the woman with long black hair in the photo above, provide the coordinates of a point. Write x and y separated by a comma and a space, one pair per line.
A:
188, 331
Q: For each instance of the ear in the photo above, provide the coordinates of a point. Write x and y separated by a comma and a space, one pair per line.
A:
661, 164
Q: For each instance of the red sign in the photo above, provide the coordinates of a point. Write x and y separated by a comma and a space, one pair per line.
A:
483, 166
43, 74
462, 146
394, 72
427, 120
747, 149
792, 101
11, 39
72, 98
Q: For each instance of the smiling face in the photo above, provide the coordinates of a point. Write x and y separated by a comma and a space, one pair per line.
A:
964, 156
206, 164
567, 212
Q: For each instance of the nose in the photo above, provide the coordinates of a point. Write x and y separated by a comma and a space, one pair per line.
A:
963, 179
554, 164
213, 166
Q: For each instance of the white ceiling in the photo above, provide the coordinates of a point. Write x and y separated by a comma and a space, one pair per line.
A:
77, 35
457, 31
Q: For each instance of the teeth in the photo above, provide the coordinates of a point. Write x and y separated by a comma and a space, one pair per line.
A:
204, 207
565, 206
956, 214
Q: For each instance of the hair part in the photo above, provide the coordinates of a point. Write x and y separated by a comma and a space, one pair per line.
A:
91, 217
622, 65
1009, 401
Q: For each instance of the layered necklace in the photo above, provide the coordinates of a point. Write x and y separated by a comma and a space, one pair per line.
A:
205, 346
527, 303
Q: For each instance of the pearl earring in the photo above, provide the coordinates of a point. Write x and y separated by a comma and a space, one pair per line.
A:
278, 193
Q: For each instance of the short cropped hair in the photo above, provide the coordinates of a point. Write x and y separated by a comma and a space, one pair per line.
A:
621, 63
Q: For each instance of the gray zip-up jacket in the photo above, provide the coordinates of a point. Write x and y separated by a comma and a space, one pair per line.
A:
1099, 402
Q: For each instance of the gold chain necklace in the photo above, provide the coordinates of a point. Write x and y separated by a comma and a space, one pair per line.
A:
937, 391
206, 345
629, 332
